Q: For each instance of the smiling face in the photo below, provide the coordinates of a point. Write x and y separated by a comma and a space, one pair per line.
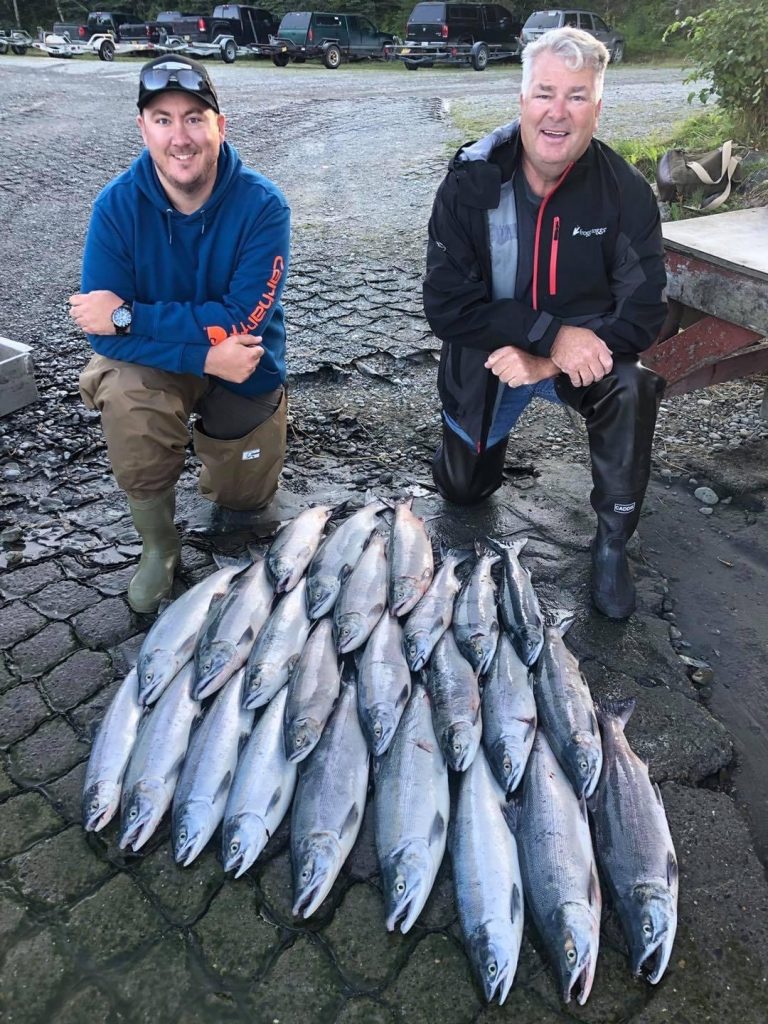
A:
183, 136
558, 117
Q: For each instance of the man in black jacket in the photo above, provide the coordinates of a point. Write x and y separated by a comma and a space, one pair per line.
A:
545, 277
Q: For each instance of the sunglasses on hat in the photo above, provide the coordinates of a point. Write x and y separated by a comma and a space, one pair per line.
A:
160, 77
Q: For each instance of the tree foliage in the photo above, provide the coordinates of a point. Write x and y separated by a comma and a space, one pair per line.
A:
728, 48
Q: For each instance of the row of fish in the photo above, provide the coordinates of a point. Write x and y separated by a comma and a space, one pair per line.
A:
229, 771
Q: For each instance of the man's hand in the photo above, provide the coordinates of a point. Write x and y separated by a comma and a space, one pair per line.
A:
514, 367
579, 352
92, 311
235, 358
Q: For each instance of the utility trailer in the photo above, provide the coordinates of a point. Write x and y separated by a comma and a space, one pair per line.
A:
16, 40
224, 46
477, 55
101, 45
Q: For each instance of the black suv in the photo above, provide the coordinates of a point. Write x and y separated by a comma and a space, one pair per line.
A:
332, 37
460, 33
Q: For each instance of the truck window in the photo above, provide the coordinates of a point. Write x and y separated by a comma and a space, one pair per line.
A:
328, 21
428, 14
295, 20
543, 19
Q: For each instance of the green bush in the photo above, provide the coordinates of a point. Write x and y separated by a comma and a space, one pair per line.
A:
728, 47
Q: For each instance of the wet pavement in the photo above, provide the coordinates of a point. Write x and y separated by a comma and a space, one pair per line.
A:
87, 932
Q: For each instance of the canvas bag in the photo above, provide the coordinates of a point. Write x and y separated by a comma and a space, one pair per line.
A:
711, 175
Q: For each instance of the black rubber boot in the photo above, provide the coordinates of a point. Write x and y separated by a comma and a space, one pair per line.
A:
461, 475
620, 414
153, 519
613, 591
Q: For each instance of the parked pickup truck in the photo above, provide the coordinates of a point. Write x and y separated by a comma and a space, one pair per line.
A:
105, 33
232, 30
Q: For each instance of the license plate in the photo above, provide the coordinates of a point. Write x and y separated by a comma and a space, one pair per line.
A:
425, 44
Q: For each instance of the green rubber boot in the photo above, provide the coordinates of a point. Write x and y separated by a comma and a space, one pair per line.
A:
152, 581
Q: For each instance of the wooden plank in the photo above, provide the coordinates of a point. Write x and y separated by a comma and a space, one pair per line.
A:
707, 340
735, 240
719, 291
17, 381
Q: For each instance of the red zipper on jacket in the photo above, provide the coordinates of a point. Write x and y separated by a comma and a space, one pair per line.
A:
553, 256
539, 219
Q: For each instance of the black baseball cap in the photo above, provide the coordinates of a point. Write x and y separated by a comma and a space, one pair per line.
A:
175, 73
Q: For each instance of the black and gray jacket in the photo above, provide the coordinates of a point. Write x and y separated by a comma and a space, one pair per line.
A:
596, 260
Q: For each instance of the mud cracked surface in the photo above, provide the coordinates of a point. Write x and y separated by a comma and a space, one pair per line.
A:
86, 932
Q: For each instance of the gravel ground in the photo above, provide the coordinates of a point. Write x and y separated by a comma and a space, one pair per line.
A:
86, 931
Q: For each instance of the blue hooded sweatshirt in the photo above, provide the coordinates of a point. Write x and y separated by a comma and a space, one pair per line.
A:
193, 279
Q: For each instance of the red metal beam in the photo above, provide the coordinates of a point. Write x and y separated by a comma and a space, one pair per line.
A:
703, 343
740, 364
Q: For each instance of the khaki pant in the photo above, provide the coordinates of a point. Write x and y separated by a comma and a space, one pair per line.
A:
145, 414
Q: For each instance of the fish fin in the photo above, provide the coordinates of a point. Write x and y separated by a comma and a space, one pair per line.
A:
621, 709
516, 906
246, 640
403, 697
657, 791
223, 786
273, 800
593, 724
583, 808
512, 812
562, 619
425, 745
593, 893
518, 545
438, 829
341, 510
672, 868
351, 819
531, 722
225, 561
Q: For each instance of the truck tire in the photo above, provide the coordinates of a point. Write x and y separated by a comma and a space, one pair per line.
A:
410, 66
332, 56
18, 50
107, 50
229, 52
280, 60
478, 58
3, 46
617, 53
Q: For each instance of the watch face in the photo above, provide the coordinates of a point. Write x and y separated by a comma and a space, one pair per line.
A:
122, 317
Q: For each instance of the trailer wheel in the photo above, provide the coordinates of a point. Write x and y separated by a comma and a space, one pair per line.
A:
479, 57
229, 52
410, 66
18, 50
107, 50
332, 56
3, 46
280, 60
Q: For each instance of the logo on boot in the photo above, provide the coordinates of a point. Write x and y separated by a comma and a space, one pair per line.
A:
255, 453
624, 508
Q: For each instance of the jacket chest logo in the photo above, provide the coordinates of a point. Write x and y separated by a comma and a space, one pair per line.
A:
588, 232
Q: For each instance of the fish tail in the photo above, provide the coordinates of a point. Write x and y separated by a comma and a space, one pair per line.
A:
621, 709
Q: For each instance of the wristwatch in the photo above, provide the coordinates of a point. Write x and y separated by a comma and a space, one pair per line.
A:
122, 318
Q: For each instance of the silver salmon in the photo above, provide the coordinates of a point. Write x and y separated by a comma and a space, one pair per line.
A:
294, 547
455, 696
411, 809
277, 648
433, 614
363, 597
634, 847
383, 684
475, 618
312, 691
110, 752
519, 605
411, 560
509, 716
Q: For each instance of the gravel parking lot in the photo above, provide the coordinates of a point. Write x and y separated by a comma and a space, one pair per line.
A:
87, 932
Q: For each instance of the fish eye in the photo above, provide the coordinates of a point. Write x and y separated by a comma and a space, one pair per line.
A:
492, 970
647, 928
234, 847
507, 765
400, 887
583, 765
377, 730
299, 742
183, 836
133, 813
306, 874
456, 747
149, 675
570, 956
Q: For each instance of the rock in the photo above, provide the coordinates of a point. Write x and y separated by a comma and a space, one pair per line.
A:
706, 494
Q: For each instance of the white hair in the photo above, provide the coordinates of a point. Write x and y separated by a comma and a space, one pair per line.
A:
577, 50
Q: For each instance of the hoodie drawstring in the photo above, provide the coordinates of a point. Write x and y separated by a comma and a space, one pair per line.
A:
168, 213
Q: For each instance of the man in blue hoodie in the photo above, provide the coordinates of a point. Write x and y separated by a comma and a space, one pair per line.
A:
184, 265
